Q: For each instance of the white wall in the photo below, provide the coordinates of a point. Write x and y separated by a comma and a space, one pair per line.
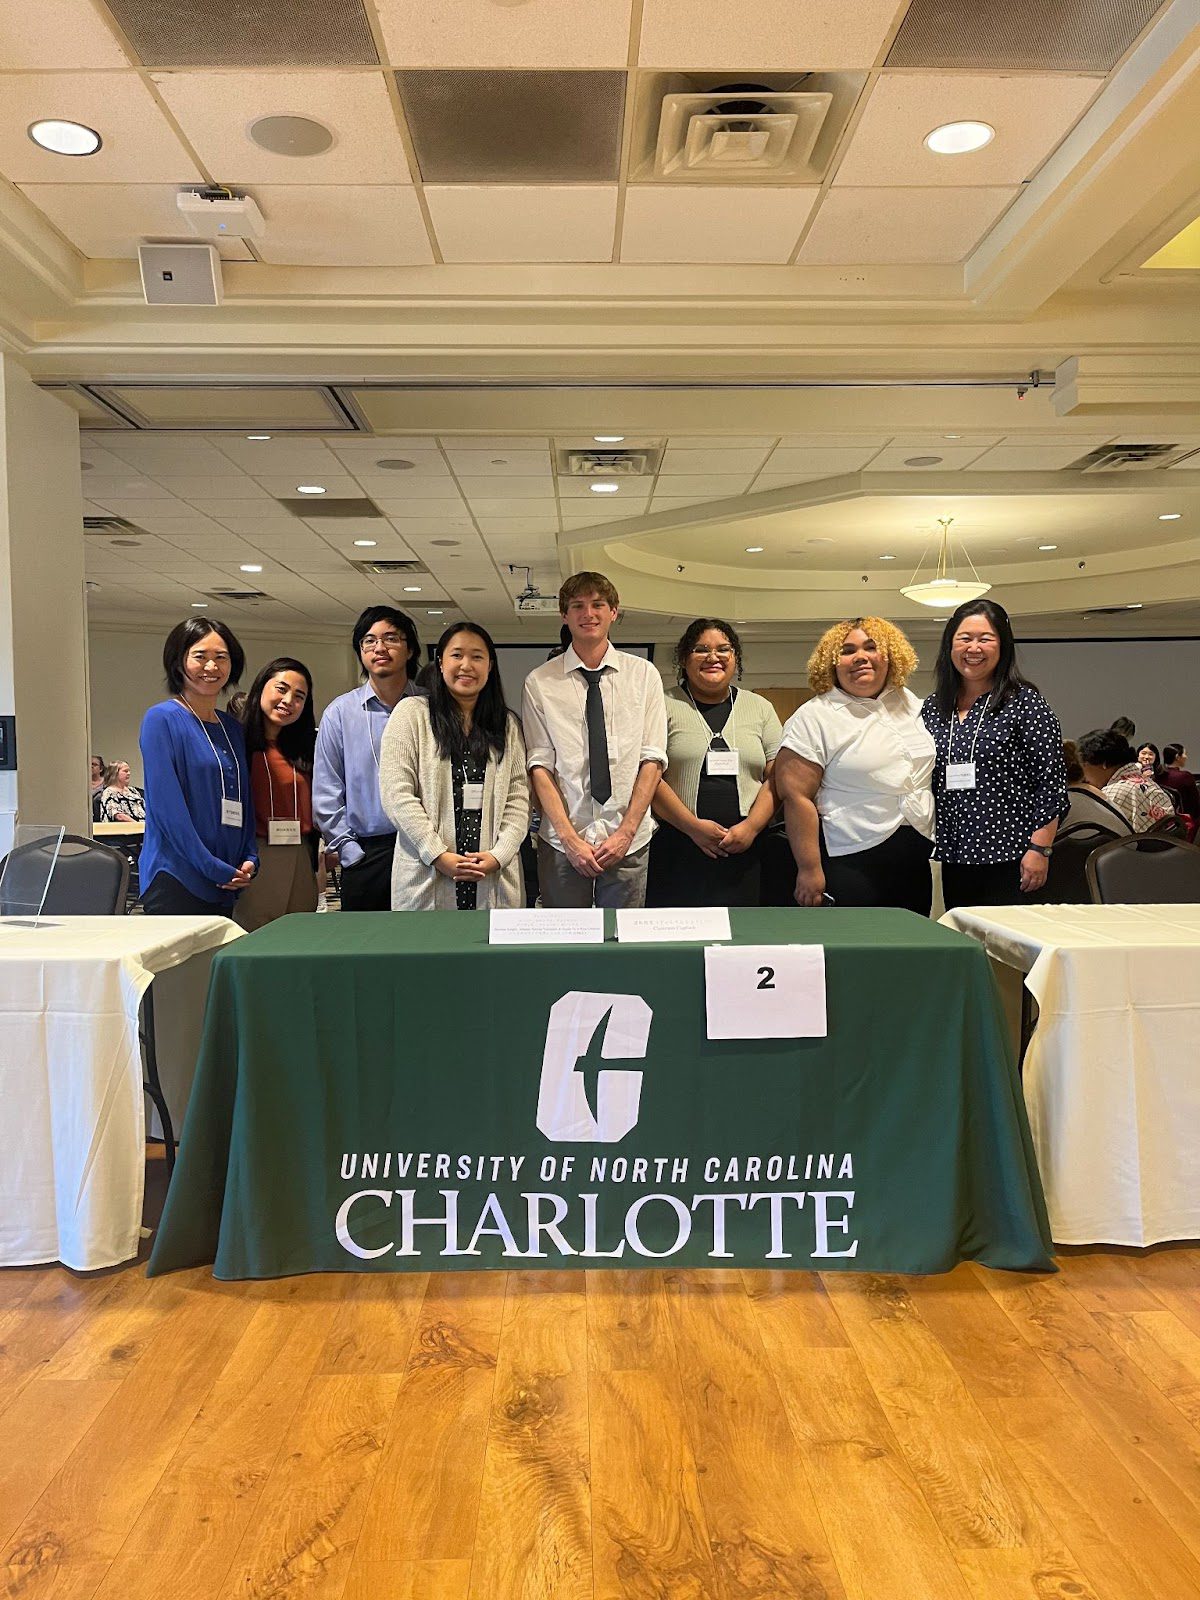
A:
127, 677
1155, 682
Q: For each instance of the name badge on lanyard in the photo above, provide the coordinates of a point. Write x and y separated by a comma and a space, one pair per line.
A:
960, 775
231, 813
721, 763
283, 830
472, 794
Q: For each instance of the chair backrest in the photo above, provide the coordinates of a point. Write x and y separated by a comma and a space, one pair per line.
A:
1066, 880
1172, 827
1147, 869
89, 879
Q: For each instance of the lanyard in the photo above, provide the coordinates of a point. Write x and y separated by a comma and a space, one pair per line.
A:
237, 771
727, 729
975, 739
295, 816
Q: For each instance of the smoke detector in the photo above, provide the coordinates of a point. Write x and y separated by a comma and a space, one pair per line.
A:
739, 130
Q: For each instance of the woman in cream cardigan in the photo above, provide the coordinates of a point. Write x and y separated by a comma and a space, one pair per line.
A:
715, 797
452, 779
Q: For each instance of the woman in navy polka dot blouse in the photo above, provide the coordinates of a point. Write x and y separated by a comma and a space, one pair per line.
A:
1000, 782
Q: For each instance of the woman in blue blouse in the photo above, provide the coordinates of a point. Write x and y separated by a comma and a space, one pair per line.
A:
1000, 782
199, 849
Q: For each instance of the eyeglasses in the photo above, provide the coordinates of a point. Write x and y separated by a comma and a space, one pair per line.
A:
392, 641
723, 652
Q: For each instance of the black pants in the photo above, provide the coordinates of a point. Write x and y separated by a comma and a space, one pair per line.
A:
997, 884
367, 885
167, 897
894, 873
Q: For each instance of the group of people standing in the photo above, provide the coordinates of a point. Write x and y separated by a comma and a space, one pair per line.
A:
426, 794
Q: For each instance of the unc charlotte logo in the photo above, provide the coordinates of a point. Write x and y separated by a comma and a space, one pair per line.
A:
563, 1112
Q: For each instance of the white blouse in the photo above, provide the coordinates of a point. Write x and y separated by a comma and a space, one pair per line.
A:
877, 757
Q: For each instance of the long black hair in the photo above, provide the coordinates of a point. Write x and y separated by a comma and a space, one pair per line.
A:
1007, 681
297, 740
489, 721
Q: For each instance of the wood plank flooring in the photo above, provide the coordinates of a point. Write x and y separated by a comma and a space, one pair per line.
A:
657, 1435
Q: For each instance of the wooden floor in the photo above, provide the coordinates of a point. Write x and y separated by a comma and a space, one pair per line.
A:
650, 1436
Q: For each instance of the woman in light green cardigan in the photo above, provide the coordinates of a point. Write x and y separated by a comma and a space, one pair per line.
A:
716, 797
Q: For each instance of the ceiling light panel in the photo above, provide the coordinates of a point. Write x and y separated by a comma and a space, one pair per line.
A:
510, 222
480, 33
901, 226
139, 144
504, 127
354, 106
766, 35
343, 225
714, 224
216, 33
1031, 114
1020, 35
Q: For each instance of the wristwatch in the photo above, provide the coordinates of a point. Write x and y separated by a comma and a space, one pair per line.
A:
1046, 850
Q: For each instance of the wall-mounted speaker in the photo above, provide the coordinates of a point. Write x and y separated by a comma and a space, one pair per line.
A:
180, 274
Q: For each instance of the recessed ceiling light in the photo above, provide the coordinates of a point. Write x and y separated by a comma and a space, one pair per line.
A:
199, 605
472, 588
291, 136
447, 544
959, 138
923, 461
65, 138
309, 488
754, 549
608, 438
412, 588
818, 541
435, 613
250, 566
366, 544
1047, 547
258, 438
1136, 606
887, 558
604, 488
952, 436
1170, 516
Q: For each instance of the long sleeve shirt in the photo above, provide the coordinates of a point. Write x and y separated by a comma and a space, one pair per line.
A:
190, 768
1020, 777
345, 786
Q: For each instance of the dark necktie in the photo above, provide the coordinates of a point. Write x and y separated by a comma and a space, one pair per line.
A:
601, 778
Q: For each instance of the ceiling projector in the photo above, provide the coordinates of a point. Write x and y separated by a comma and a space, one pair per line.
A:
219, 214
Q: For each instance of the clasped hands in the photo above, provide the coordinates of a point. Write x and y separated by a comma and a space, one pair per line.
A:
472, 868
718, 842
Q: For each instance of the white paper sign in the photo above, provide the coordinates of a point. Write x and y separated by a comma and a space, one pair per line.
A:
765, 991
546, 927
673, 926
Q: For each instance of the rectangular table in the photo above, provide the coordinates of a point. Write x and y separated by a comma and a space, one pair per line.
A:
1112, 1072
389, 1092
73, 1125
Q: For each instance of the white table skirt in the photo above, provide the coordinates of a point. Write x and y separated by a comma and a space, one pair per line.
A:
1112, 1074
72, 1114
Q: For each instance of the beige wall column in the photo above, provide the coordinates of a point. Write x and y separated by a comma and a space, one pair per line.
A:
43, 622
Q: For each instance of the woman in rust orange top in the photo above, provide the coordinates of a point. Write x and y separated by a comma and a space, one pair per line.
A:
280, 735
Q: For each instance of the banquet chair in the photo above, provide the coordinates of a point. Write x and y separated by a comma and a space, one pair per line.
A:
1145, 869
1172, 827
1066, 881
89, 879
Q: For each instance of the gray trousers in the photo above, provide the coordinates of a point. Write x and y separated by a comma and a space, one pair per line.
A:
562, 888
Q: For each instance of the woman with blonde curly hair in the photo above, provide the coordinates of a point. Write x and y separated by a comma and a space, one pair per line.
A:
854, 773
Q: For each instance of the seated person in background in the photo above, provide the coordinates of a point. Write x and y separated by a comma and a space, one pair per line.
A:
1111, 769
1086, 803
119, 800
99, 779
1181, 784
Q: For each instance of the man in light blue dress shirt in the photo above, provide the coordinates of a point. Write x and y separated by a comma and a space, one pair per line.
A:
345, 789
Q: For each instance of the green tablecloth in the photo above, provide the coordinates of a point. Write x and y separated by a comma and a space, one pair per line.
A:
367, 1098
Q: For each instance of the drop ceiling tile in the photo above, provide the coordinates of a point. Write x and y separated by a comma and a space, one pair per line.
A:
449, 514
721, 486
139, 144
249, 510
409, 486
678, 502
821, 462
349, 225
508, 488
426, 463
1030, 113
507, 127
580, 489
533, 523
233, 33
216, 487
719, 441
353, 106
901, 226
1032, 457
132, 486
107, 221
833, 441
713, 224
56, 34
785, 480
508, 222
286, 486
497, 444
704, 462
764, 35
485, 507
179, 459
479, 33
503, 463
904, 458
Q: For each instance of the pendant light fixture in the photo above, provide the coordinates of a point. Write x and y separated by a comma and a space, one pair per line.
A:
944, 589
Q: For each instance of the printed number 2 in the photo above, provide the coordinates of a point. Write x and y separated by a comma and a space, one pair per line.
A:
766, 977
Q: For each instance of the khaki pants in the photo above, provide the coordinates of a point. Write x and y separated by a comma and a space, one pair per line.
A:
562, 888
285, 882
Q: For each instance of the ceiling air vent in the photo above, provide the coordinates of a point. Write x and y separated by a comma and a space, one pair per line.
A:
384, 567
238, 594
110, 525
608, 463
738, 130
1133, 457
313, 507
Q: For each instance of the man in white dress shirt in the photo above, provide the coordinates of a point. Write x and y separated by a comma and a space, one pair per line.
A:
596, 735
